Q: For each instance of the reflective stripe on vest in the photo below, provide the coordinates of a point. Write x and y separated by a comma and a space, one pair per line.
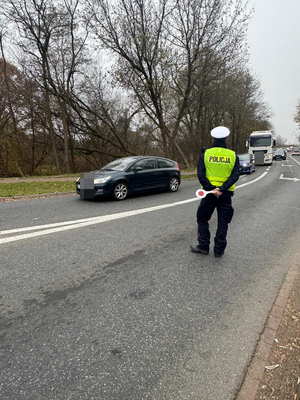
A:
219, 163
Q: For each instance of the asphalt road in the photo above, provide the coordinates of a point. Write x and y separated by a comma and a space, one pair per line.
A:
116, 307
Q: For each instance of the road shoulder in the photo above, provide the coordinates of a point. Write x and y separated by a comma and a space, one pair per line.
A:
274, 368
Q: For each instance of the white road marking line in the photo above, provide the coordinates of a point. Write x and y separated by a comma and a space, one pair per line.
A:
94, 220
64, 226
288, 165
297, 162
254, 180
289, 179
37, 227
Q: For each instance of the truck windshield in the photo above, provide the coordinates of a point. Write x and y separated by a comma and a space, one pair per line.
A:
260, 141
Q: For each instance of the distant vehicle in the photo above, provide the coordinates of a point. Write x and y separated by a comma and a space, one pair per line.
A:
288, 149
295, 151
247, 163
130, 175
280, 154
261, 146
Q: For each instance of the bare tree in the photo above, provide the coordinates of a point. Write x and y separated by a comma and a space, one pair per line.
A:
243, 106
158, 45
102, 114
10, 90
66, 56
38, 21
175, 69
280, 141
297, 118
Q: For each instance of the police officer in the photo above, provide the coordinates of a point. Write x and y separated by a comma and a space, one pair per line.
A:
218, 170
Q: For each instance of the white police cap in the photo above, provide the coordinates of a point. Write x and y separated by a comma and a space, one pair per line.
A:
220, 132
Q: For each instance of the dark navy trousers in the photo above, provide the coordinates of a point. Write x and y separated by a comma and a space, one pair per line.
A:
223, 204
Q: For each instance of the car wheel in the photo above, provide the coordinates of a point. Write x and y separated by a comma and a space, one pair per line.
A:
120, 191
174, 184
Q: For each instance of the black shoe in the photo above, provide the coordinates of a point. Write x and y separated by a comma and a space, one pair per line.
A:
197, 249
219, 254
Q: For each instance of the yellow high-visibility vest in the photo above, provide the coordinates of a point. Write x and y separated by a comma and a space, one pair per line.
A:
219, 163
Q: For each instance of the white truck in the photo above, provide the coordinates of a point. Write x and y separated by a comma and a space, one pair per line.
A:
261, 146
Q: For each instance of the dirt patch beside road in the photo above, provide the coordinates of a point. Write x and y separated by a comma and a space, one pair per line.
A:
282, 380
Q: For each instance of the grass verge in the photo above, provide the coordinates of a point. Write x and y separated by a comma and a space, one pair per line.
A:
189, 176
30, 188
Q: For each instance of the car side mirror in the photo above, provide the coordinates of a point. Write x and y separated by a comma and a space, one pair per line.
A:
137, 169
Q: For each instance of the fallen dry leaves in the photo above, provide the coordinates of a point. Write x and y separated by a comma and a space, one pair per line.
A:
281, 380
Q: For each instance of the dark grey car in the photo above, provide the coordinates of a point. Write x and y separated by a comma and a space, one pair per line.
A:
280, 154
130, 175
247, 163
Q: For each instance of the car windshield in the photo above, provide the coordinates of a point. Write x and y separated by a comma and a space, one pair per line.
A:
120, 164
279, 151
244, 157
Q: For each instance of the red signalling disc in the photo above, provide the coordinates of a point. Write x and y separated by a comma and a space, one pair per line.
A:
201, 193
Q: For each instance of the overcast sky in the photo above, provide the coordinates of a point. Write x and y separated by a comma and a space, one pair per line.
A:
274, 40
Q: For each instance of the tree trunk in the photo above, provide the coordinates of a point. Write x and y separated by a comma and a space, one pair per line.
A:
184, 159
51, 127
64, 117
18, 153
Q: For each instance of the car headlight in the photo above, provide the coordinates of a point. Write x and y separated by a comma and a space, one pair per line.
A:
102, 180
245, 165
